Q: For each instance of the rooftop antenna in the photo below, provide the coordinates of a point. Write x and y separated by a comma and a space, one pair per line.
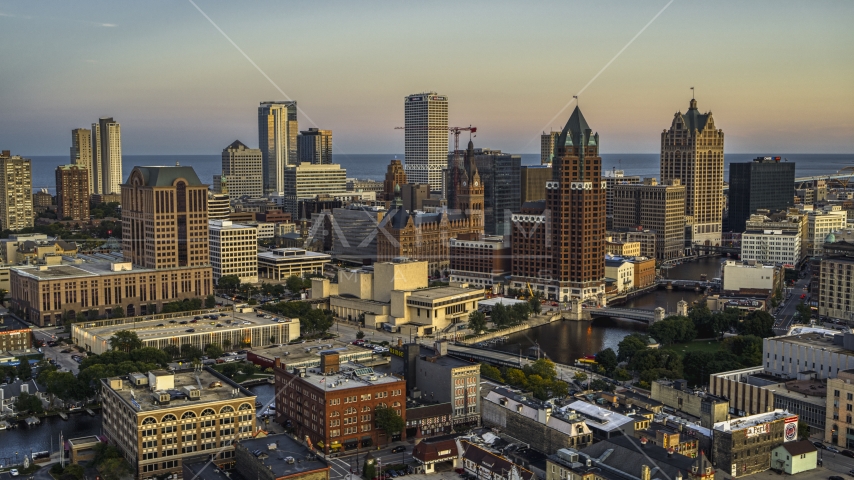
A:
576, 100
692, 93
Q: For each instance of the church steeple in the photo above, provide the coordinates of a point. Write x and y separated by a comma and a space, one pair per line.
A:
471, 191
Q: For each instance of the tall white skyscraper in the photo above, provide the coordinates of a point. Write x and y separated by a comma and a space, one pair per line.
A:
107, 156
277, 139
81, 151
426, 141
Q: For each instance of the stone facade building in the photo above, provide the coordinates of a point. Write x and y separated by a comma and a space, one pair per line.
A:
660, 208
709, 409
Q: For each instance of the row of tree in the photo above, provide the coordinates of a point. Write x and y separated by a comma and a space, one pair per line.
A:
502, 316
312, 320
540, 378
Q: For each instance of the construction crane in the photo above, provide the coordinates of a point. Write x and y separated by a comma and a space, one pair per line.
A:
456, 131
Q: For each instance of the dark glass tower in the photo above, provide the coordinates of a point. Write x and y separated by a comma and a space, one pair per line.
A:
766, 182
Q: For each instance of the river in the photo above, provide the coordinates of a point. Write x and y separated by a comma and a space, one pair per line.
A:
45, 437
566, 341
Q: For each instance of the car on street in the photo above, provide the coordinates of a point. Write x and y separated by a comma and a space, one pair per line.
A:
183, 322
190, 330
835, 477
173, 321
14, 472
832, 449
848, 453
398, 449
218, 325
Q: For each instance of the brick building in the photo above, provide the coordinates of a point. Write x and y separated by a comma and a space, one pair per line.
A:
72, 192
394, 176
708, 409
644, 271
743, 446
333, 405
480, 263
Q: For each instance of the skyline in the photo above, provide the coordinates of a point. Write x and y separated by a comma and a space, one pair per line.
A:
773, 75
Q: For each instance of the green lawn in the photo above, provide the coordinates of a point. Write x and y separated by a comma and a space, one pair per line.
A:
710, 346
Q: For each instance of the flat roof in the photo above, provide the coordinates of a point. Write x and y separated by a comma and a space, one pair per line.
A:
203, 469
291, 253
491, 302
598, 417
436, 293
148, 330
814, 340
308, 354
275, 452
86, 266
750, 421
79, 441
214, 387
350, 375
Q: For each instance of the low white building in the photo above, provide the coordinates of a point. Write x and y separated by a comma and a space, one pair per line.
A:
280, 263
775, 247
621, 270
233, 250
749, 276
266, 230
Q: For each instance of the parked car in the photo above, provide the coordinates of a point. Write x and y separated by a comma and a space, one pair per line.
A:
14, 472
832, 449
848, 453
190, 330
398, 449
818, 445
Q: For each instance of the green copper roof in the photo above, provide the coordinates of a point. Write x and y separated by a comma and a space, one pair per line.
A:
694, 120
574, 129
166, 176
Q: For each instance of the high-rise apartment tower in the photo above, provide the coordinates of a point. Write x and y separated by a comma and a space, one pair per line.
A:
692, 150
107, 155
315, 146
277, 139
16, 192
426, 142
72, 192
81, 152
242, 171
547, 147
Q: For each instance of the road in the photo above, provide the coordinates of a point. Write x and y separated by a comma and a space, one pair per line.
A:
342, 466
63, 360
785, 316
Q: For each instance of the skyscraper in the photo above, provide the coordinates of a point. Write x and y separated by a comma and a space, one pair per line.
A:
394, 176
315, 146
613, 178
107, 155
16, 192
277, 139
763, 183
72, 192
307, 181
426, 142
500, 177
242, 171
81, 152
559, 244
174, 200
650, 206
547, 147
693, 152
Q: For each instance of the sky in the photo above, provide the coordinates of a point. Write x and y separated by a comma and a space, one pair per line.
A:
777, 75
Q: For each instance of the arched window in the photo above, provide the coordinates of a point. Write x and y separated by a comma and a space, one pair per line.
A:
149, 421
168, 418
187, 415
208, 412
245, 406
395, 404
227, 409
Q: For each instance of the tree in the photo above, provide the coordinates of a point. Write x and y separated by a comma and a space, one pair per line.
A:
360, 334
125, 341
534, 304
74, 470
118, 312
581, 377
748, 349
804, 312
515, 377
226, 343
189, 352
230, 369
488, 371
114, 469
477, 321
803, 430
674, 329
622, 374
500, 315
229, 283
210, 301
249, 368
601, 385
607, 359
389, 421
543, 367
27, 403
630, 345
172, 351
213, 350
294, 284
758, 323
24, 370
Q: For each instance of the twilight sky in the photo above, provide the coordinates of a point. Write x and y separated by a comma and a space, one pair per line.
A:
778, 76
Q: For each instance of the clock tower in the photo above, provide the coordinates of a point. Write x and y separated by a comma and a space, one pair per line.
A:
470, 190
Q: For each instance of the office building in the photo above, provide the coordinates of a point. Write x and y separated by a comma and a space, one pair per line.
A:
772, 247
107, 155
547, 147
621, 272
644, 274
333, 405
836, 272
622, 249
743, 446
231, 330
289, 460
277, 140
81, 153
242, 172
559, 246
789, 221
315, 146
532, 182
500, 174
613, 178
426, 138
354, 232
16, 192
692, 151
747, 277
42, 201
659, 208
840, 403
72, 192
163, 418
219, 206
534, 422
165, 218
282, 263
366, 185
445, 379
395, 175
234, 250
694, 404
481, 263
306, 181
821, 223
766, 183
648, 239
